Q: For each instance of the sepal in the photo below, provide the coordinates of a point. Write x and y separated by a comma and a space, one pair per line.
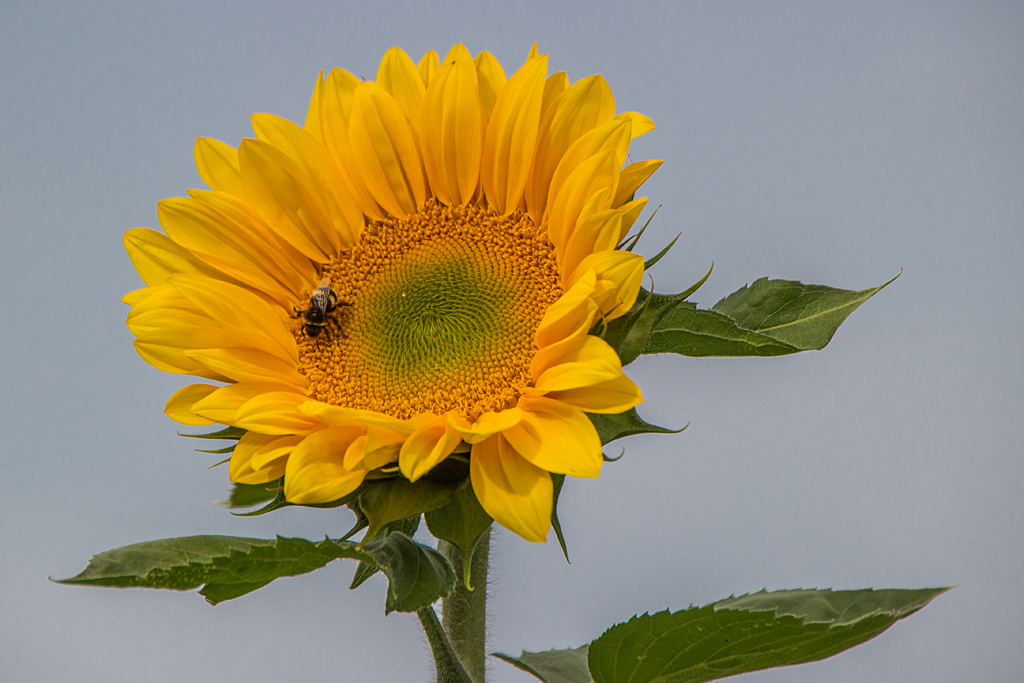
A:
461, 522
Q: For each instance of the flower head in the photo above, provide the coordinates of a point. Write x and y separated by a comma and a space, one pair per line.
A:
413, 270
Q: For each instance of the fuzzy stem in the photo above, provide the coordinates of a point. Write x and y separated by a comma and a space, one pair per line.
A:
449, 670
464, 612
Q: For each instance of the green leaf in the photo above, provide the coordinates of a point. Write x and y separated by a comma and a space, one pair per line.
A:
228, 567
226, 434
247, 495
612, 427
748, 633
768, 318
418, 575
218, 451
192, 561
558, 480
697, 333
553, 666
802, 316
650, 263
365, 570
461, 522
388, 500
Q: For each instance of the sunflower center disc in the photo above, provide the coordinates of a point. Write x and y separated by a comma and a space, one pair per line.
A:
442, 310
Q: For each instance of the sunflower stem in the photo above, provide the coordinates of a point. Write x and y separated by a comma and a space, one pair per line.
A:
449, 669
464, 612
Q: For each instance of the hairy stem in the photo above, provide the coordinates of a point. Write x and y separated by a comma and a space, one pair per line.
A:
449, 669
464, 612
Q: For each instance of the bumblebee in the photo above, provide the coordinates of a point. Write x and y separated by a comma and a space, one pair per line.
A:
322, 303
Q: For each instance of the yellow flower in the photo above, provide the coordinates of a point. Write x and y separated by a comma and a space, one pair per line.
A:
464, 228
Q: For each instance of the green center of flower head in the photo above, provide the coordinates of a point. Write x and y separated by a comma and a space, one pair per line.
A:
441, 313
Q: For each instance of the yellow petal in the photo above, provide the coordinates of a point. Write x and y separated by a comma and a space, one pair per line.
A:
512, 136
599, 173
283, 195
276, 413
459, 53
452, 135
337, 416
156, 256
279, 258
275, 449
622, 272
556, 437
640, 124
242, 312
179, 405
250, 277
312, 122
196, 225
475, 431
217, 163
223, 404
379, 447
585, 105
597, 232
554, 86
571, 315
491, 80
431, 443
517, 494
427, 66
399, 77
315, 472
632, 177
336, 110
169, 359
630, 212
168, 326
578, 362
384, 151
329, 186
135, 296
248, 365
609, 137
612, 397
258, 458
337, 103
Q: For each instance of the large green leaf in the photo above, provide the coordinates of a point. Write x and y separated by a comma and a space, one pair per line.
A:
461, 522
216, 561
228, 567
802, 316
691, 332
553, 666
748, 633
768, 318
620, 425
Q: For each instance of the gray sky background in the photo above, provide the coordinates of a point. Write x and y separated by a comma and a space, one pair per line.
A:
830, 143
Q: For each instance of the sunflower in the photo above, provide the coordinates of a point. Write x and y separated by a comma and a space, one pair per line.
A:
413, 272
